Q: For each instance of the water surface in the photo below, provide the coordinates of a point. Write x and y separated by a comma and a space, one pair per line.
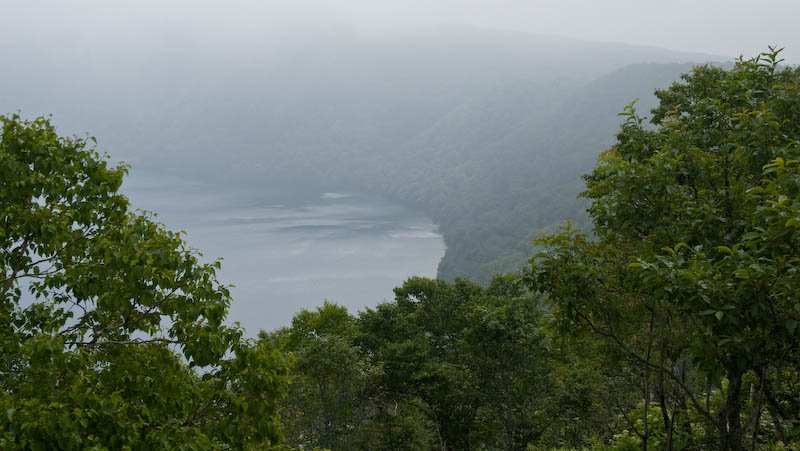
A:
286, 251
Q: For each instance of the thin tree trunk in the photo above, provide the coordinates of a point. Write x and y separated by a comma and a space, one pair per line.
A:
646, 434
681, 403
662, 400
730, 415
757, 420
775, 411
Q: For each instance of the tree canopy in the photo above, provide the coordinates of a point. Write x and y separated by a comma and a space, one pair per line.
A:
693, 275
113, 332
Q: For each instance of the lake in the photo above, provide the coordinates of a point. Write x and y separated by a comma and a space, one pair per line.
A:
285, 251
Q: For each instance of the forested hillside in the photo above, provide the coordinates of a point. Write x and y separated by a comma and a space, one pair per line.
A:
499, 170
674, 327
671, 324
486, 131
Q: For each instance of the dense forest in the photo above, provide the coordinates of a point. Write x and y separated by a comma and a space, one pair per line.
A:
672, 324
672, 327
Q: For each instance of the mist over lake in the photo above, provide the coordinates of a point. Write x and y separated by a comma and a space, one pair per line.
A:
288, 249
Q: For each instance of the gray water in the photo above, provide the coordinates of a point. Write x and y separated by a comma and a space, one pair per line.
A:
284, 252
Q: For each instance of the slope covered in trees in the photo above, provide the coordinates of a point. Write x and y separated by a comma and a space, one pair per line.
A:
487, 131
501, 169
676, 327
693, 277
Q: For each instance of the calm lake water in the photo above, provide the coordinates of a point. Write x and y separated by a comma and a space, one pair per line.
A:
285, 252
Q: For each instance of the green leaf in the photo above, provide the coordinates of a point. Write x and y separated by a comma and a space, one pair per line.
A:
791, 326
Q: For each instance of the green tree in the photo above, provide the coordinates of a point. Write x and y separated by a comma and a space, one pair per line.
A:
327, 402
508, 353
113, 332
693, 275
416, 341
472, 359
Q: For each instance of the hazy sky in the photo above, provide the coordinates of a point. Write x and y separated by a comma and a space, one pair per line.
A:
726, 27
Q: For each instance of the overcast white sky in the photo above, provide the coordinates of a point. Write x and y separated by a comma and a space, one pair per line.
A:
725, 27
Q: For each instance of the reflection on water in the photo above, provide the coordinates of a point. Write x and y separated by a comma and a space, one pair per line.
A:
284, 254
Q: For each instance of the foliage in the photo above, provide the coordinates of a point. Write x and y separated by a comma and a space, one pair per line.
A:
693, 276
446, 365
672, 328
113, 332
472, 358
327, 398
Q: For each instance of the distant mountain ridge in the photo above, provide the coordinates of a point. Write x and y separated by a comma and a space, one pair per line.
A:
487, 131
